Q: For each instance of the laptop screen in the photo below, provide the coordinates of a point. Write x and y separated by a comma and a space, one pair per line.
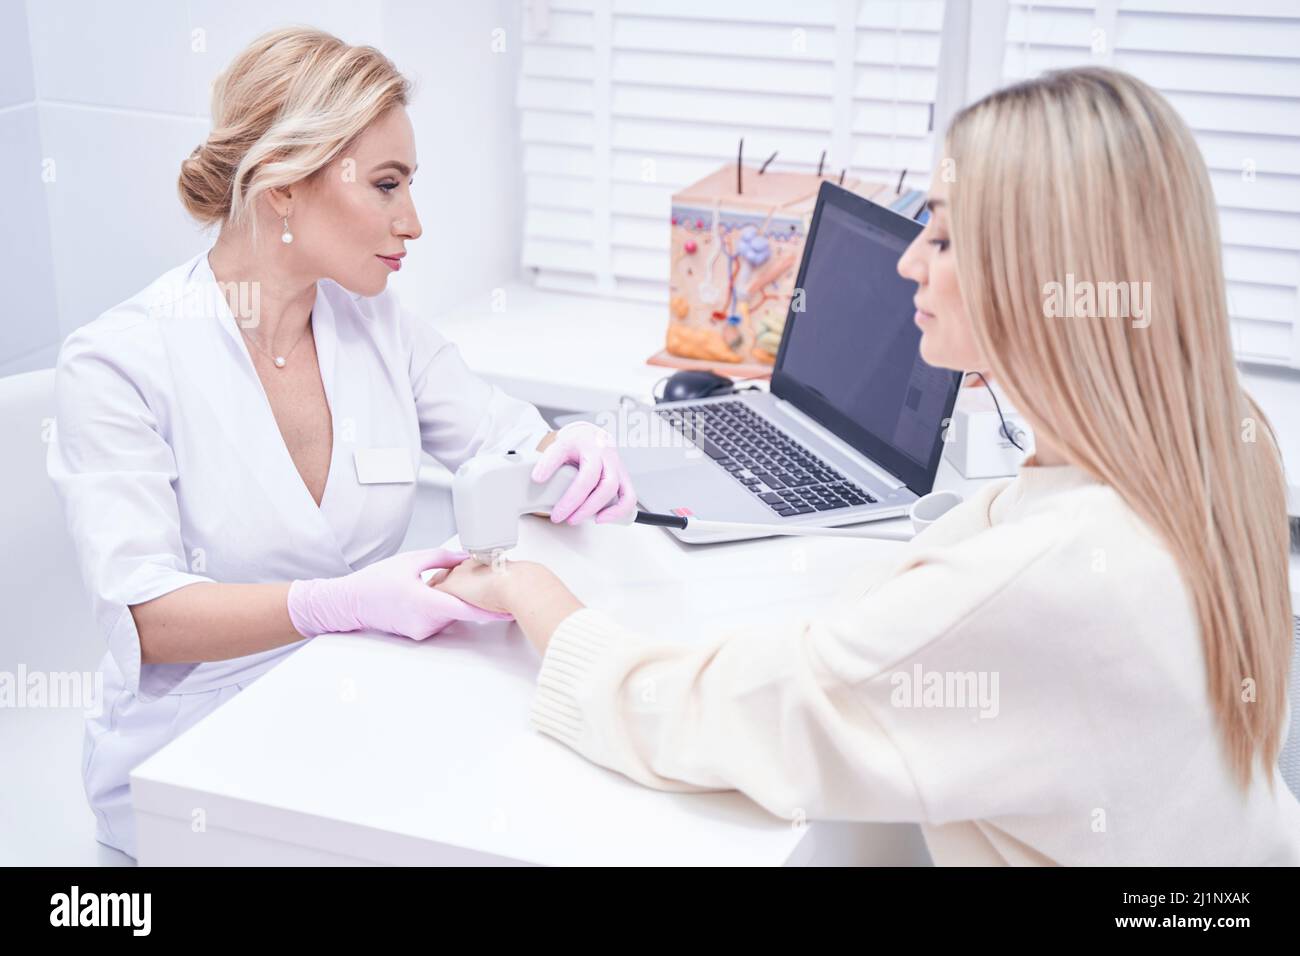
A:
849, 354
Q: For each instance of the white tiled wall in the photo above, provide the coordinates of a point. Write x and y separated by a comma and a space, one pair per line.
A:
28, 302
100, 102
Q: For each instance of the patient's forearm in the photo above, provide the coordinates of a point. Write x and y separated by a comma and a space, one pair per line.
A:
539, 601
214, 622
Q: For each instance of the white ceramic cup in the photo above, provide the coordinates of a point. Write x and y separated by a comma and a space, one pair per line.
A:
928, 509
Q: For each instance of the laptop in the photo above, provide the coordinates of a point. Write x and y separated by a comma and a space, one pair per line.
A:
852, 427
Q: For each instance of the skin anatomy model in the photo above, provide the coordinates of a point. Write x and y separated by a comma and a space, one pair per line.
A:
735, 253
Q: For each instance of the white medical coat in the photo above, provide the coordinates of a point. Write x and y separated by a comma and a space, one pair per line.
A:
172, 471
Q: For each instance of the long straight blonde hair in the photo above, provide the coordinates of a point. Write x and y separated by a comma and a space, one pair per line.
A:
1089, 176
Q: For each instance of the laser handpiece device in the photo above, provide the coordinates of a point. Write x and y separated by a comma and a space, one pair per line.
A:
490, 492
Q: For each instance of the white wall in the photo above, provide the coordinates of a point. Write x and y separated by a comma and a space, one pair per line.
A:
469, 187
99, 103
29, 321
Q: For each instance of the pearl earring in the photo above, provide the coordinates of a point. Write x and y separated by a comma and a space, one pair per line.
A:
287, 236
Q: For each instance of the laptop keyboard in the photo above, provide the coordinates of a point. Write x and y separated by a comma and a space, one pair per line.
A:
784, 475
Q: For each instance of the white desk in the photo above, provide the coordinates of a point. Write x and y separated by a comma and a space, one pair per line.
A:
367, 748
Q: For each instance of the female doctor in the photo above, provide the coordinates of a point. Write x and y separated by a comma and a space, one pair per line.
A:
237, 443
1127, 590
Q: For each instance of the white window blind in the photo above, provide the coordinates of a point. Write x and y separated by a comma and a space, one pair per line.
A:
623, 102
1232, 69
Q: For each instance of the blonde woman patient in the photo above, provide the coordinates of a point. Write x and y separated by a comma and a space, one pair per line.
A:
1128, 586
238, 442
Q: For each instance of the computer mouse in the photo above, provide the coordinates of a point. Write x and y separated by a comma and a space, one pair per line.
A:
692, 384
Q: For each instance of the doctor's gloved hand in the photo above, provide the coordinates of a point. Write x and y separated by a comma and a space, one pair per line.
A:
602, 486
389, 595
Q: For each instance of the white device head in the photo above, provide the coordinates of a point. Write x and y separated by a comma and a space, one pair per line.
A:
490, 492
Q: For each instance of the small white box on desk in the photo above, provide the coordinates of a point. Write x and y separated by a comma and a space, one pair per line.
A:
976, 444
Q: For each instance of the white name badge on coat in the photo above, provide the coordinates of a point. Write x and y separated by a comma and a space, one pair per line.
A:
384, 466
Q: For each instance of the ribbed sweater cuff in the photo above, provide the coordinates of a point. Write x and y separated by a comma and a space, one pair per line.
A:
570, 670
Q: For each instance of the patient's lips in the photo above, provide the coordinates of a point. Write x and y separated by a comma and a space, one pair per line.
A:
922, 317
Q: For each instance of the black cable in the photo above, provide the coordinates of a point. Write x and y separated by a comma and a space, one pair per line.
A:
1006, 430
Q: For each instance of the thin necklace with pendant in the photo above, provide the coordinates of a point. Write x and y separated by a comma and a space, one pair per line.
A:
280, 360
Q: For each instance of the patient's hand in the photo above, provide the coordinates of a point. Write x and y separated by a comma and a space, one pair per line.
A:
481, 584
538, 599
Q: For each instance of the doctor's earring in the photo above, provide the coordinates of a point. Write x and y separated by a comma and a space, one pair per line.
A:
286, 237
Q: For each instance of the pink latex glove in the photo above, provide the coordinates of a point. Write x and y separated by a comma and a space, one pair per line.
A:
388, 595
602, 486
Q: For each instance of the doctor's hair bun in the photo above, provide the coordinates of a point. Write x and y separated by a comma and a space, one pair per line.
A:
283, 109
205, 185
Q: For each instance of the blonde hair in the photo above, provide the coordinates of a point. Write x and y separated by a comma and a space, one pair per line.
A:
285, 107
1090, 173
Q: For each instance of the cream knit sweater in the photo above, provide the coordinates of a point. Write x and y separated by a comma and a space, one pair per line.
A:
1025, 681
